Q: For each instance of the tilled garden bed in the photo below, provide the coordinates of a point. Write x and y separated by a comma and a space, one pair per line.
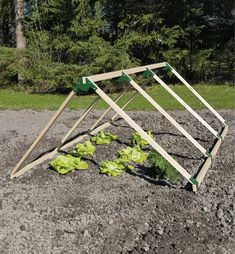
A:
88, 212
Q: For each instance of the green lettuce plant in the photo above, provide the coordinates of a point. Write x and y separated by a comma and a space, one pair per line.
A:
103, 138
66, 163
134, 154
136, 139
114, 167
84, 149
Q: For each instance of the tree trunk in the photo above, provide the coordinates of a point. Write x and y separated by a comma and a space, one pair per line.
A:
19, 12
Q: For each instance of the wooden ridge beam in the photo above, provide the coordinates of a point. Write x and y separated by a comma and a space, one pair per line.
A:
116, 74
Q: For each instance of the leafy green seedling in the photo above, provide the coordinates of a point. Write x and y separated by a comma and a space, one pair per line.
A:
134, 154
103, 138
136, 139
114, 167
164, 169
84, 149
66, 163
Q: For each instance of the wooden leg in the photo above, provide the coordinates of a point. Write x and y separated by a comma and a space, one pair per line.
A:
124, 106
198, 95
182, 102
78, 122
208, 162
143, 134
168, 117
55, 152
44, 131
106, 111
34, 163
100, 128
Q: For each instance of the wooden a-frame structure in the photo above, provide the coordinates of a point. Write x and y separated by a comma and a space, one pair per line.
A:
90, 82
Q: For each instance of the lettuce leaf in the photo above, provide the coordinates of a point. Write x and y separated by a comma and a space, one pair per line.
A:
113, 167
136, 139
103, 138
84, 149
66, 163
134, 154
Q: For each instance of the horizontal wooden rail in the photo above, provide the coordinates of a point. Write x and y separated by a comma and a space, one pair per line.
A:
116, 74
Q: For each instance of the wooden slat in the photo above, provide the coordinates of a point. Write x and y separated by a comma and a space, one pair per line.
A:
125, 105
218, 143
34, 163
224, 132
116, 74
100, 128
107, 111
68, 134
71, 143
46, 157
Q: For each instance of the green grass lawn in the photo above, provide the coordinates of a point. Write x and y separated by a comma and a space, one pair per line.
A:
219, 96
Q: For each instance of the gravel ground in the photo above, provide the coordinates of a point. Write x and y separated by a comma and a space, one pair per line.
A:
86, 212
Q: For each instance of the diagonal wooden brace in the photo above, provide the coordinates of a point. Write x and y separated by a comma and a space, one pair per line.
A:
68, 134
107, 111
42, 134
125, 105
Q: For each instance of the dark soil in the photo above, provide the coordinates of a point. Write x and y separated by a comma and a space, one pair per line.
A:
86, 212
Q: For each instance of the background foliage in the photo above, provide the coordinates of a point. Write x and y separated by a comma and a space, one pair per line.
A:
72, 38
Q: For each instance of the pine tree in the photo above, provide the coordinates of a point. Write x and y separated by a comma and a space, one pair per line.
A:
7, 22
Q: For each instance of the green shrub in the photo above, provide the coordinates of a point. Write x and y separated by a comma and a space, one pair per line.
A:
36, 71
163, 168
